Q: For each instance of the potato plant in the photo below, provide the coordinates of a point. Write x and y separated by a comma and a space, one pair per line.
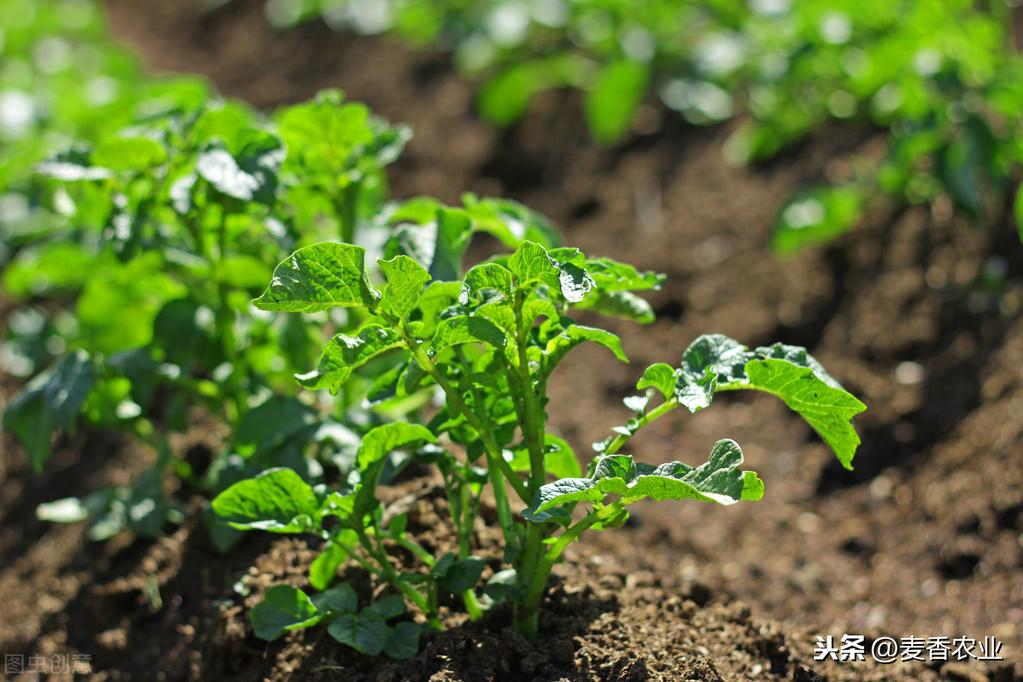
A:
488, 343
942, 76
168, 229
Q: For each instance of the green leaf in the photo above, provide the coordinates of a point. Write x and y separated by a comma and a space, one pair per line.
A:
277, 500
817, 217
72, 166
273, 423
532, 263
610, 275
129, 154
324, 567
719, 480
827, 409
612, 101
560, 460
661, 376
510, 222
458, 575
403, 641
710, 360
324, 135
386, 607
405, 281
344, 354
717, 363
504, 99
320, 277
575, 334
453, 331
64, 510
338, 599
284, 608
50, 402
1018, 211
623, 304
484, 278
250, 175
381, 440
365, 633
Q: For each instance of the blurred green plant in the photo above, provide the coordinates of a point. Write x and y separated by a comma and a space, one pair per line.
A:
941, 75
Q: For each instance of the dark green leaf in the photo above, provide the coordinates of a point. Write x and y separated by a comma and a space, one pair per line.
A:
338, 599
51, 401
284, 608
403, 641
365, 633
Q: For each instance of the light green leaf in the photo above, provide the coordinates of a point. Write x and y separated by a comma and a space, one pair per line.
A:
381, 440
453, 331
345, 354
483, 278
623, 304
661, 376
719, 480
277, 500
717, 363
324, 567
129, 154
365, 633
284, 608
320, 277
817, 217
532, 263
610, 275
612, 101
827, 409
710, 360
405, 281
50, 402
573, 335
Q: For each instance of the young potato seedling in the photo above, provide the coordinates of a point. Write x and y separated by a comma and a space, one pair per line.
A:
488, 344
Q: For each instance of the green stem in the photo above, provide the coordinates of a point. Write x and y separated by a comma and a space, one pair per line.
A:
413, 595
533, 417
416, 549
659, 411
527, 611
472, 604
454, 398
225, 319
347, 208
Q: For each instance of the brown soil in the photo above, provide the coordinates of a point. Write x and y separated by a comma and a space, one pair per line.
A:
924, 538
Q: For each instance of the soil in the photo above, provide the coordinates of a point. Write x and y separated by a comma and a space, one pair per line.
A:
915, 311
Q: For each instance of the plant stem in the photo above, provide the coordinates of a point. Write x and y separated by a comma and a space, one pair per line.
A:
533, 417
659, 411
472, 604
413, 595
527, 611
347, 208
416, 549
494, 456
